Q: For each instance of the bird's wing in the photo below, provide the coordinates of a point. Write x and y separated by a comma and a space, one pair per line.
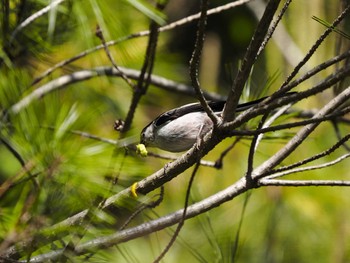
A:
216, 106
173, 114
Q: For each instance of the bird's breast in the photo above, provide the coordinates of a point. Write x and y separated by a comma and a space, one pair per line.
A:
182, 133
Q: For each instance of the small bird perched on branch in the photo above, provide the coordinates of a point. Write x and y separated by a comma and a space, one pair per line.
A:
178, 129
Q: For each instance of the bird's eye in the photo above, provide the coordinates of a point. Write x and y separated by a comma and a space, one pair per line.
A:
147, 135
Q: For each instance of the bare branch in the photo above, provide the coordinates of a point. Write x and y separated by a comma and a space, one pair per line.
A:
219, 161
35, 16
249, 59
194, 62
309, 168
145, 74
272, 103
78, 76
338, 134
310, 119
273, 26
151, 226
318, 69
258, 137
300, 136
288, 168
313, 49
273, 182
170, 26
100, 35
182, 220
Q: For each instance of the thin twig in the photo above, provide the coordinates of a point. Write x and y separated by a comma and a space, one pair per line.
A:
182, 221
252, 150
26, 166
338, 134
317, 69
13, 181
269, 122
310, 119
275, 182
144, 206
313, 49
33, 17
275, 173
273, 27
13, 151
143, 80
264, 123
170, 26
219, 161
310, 168
100, 35
194, 62
302, 134
263, 106
249, 60
239, 228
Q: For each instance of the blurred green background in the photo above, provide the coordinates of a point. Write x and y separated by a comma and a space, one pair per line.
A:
69, 172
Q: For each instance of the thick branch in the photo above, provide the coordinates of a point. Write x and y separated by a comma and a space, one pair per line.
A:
152, 226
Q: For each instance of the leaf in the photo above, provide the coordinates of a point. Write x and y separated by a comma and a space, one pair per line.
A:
148, 10
328, 25
70, 119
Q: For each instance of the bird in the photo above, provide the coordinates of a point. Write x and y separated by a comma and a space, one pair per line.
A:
177, 130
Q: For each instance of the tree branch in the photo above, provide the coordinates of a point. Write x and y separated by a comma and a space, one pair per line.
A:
145, 74
194, 62
301, 135
309, 168
170, 26
274, 182
249, 59
82, 75
152, 226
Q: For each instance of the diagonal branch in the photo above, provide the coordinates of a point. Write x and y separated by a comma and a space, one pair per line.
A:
286, 169
309, 168
249, 60
33, 17
194, 62
263, 107
144, 33
300, 136
152, 226
284, 87
145, 75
